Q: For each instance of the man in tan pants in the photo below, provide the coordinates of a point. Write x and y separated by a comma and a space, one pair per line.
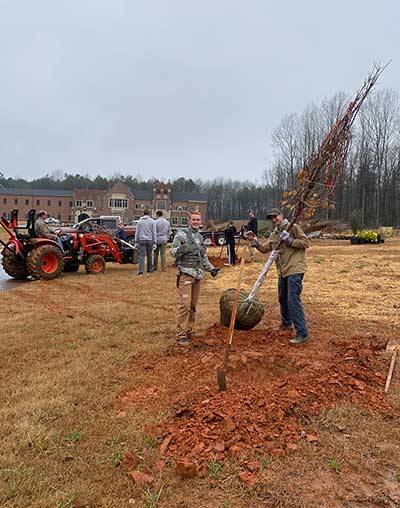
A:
189, 252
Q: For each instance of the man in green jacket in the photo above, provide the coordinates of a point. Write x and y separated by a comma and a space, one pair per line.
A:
291, 265
189, 252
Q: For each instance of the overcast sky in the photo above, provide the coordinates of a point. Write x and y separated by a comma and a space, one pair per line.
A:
175, 87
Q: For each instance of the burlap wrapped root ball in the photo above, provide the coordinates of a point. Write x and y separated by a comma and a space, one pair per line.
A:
248, 315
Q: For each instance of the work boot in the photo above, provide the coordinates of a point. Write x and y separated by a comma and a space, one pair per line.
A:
299, 339
183, 341
140, 273
283, 326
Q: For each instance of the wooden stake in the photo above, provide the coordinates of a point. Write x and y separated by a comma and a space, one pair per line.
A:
390, 373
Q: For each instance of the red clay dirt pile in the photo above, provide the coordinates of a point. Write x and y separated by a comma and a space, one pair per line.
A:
273, 390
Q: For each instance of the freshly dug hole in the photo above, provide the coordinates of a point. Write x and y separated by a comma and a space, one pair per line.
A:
248, 314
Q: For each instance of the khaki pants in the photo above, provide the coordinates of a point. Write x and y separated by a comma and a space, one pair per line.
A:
189, 290
160, 249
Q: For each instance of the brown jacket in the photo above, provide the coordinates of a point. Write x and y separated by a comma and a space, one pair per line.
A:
42, 230
292, 260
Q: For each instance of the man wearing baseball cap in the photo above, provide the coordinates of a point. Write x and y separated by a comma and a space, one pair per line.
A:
291, 265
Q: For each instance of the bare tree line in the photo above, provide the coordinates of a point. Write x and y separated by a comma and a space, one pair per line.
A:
371, 181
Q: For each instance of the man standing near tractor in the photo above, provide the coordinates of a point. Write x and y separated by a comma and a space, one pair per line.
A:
42, 230
189, 251
163, 232
229, 235
145, 240
291, 265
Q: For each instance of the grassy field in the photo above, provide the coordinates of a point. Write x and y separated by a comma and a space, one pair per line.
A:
72, 348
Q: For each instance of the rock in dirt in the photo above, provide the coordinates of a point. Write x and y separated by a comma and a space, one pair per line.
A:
159, 465
129, 461
229, 425
165, 444
186, 469
219, 446
249, 479
141, 478
253, 466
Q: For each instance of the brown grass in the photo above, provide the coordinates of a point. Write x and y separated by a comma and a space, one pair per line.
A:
65, 348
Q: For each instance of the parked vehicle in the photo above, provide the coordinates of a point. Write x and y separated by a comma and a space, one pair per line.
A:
219, 238
110, 222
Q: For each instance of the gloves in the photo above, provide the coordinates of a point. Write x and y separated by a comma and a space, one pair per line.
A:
214, 272
254, 242
154, 246
286, 238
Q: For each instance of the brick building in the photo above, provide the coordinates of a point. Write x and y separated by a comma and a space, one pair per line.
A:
130, 203
59, 203
117, 200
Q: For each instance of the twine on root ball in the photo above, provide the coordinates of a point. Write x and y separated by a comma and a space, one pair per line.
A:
249, 314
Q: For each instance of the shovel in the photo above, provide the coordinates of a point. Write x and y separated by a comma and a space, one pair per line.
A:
221, 372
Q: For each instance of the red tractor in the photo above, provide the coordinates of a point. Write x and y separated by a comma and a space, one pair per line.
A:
26, 255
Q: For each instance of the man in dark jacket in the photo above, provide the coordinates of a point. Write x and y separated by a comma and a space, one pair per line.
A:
252, 225
229, 235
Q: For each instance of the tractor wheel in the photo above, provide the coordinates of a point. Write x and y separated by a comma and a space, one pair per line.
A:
45, 262
14, 267
71, 266
95, 264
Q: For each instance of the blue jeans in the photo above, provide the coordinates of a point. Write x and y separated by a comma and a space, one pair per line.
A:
292, 312
59, 241
145, 249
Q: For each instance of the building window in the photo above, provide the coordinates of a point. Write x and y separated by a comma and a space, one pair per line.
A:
5, 201
70, 216
118, 203
89, 204
78, 203
174, 208
60, 203
137, 217
71, 204
174, 221
147, 207
184, 208
38, 202
137, 206
26, 202
48, 202
161, 205
184, 221
15, 201
59, 217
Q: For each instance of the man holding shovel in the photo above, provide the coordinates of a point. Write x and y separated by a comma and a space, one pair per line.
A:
291, 265
189, 251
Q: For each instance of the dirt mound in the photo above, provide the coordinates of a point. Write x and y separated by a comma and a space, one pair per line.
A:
273, 390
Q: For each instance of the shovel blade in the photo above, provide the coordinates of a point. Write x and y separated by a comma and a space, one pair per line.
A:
221, 379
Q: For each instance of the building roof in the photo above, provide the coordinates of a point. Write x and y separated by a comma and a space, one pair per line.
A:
188, 196
142, 194
36, 192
